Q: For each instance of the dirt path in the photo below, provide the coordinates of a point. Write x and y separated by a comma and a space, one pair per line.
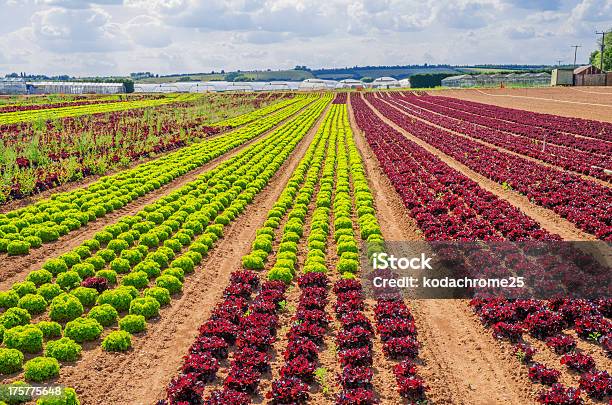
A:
141, 375
547, 219
490, 145
16, 268
462, 363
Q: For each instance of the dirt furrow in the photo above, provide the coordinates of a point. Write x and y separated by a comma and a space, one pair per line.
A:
16, 268
547, 219
141, 375
462, 363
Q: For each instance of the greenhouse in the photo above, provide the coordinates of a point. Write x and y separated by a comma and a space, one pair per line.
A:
404, 83
385, 83
74, 88
317, 84
498, 79
350, 84
13, 85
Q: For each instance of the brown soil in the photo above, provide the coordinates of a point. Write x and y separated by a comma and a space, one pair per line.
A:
569, 102
547, 219
490, 145
16, 268
141, 375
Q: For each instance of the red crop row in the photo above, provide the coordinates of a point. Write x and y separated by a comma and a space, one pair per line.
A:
547, 321
215, 337
445, 204
535, 133
408, 167
305, 337
566, 158
340, 98
582, 202
576, 126
354, 342
397, 331
254, 335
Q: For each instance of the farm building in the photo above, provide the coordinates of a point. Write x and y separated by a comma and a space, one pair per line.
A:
385, 83
562, 77
13, 85
590, 75
214, 86
350, 84
74, 88
276, 86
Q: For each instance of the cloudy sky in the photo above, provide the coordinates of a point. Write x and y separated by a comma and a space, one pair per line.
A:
166, 36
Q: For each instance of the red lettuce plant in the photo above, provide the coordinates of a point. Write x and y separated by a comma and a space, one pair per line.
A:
288, 390
578, 362
560, 395
597, 384
540, 373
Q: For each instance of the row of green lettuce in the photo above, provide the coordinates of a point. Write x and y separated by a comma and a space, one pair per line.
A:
73, 111
47, 220
261, 112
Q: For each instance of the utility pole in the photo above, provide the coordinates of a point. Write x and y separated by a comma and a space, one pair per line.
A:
575, 52
603, 44
559, 62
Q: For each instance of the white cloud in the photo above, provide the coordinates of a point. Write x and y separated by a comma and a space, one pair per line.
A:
521, 32
167, 36
76, 4
148, 31
593, 10
76, 30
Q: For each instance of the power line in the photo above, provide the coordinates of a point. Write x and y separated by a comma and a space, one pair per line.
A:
575, 52
603, 45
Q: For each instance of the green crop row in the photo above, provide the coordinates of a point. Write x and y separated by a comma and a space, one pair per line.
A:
151, 251
47, 220
318, 174
73, 111
369, 228
248, 117
303, 176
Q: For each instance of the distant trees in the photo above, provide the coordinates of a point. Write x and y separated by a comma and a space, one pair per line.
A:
595, 58
428, 80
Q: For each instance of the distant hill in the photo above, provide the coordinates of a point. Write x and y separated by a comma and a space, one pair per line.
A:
357, 72
398, 72
267, 75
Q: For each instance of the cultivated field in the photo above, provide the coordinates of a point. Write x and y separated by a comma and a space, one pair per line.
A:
580, 102
217, 250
